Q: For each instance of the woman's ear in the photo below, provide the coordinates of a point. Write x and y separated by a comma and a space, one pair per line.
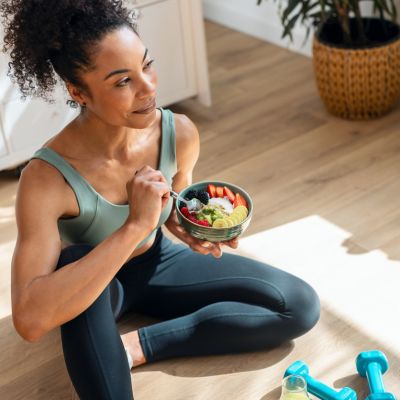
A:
76, 94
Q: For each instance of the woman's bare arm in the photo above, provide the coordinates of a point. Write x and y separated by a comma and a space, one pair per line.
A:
42, 297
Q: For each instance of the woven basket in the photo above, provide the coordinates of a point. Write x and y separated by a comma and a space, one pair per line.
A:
357, 84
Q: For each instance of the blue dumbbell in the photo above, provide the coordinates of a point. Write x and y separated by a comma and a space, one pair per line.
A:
317, 388
373, 364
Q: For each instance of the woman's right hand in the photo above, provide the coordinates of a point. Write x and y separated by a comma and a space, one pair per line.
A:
148, 194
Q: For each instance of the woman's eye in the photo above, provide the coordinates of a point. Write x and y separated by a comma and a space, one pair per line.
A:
123, 82
148, 65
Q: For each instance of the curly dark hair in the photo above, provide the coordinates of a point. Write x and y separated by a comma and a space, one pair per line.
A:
49, 37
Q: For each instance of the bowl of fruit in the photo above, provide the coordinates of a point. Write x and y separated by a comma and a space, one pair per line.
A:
224, 213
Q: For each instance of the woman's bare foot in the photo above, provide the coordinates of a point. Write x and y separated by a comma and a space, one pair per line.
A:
132, 345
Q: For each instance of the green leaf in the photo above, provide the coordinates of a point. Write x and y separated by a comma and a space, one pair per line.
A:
307, 8
289, 27
292, 4
381, 5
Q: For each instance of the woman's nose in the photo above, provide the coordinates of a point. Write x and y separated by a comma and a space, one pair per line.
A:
147, 88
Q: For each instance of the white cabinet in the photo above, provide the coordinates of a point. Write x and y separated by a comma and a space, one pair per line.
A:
172, 30
25, 124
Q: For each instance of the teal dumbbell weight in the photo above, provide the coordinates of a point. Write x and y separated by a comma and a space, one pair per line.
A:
373, 364
317, 388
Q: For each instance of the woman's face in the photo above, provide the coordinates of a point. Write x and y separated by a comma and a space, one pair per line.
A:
123, 82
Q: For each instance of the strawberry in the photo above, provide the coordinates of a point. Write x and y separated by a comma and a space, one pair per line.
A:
239, 200
211, 190
220, 191
203, 223
185, 211
193, 219
228, 192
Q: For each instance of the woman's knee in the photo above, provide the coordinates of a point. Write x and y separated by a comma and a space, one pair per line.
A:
305, 307
73, 253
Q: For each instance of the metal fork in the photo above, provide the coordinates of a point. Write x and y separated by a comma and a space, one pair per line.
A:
192, 205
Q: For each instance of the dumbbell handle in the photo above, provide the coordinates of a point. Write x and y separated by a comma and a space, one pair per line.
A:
319, 389
374, 376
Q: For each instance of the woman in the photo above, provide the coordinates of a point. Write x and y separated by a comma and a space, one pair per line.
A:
101, 186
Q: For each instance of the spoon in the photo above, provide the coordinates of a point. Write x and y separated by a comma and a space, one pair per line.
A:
192, 205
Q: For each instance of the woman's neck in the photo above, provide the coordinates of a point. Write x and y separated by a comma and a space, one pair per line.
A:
107, 141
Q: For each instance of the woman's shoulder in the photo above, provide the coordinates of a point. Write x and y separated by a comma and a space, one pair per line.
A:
186, 131
40, 180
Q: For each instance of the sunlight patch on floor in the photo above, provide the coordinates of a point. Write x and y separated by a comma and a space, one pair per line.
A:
363, 289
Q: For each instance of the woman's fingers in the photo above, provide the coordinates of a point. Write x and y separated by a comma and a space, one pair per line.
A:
205, 247
180, 229
233, 243
151, 174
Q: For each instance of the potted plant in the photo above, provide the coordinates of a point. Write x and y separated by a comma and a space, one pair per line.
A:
356, 58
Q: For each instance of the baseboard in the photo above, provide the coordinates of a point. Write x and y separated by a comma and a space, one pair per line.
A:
263, 27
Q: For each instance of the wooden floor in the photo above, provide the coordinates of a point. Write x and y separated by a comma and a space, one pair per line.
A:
268, 132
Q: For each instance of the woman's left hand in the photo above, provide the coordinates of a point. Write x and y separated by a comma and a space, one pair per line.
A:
197, 245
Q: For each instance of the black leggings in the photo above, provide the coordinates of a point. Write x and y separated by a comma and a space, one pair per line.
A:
207, 306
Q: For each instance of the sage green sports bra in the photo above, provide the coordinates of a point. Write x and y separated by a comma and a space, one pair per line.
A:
99, 218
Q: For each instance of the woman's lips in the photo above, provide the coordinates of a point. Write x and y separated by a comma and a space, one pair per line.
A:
148, 109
